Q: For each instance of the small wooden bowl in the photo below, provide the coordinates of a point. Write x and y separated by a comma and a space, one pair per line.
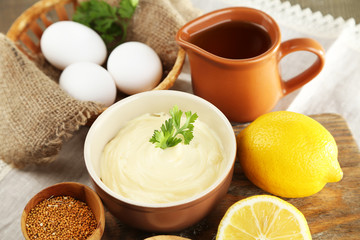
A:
77, 191
28, 28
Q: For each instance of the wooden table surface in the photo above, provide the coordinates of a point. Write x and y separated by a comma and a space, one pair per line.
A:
10, 10
332, 214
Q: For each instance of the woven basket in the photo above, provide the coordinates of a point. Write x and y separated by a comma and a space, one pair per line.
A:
27, 29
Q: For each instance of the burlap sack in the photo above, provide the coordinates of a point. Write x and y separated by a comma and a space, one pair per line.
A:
37, 116
156, 23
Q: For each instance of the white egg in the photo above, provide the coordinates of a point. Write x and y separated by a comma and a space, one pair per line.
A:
135, 67
67, 42
87, 81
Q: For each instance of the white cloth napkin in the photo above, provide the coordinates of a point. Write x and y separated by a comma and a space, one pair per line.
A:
335, 90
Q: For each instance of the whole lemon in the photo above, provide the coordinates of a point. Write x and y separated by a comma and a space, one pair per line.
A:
288, 154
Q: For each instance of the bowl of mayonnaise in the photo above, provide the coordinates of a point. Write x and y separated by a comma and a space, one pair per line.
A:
161, 160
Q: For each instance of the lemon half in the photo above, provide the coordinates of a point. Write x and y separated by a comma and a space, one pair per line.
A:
263, 217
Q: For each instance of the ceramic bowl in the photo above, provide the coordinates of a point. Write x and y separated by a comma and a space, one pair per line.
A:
76, 190
165, 217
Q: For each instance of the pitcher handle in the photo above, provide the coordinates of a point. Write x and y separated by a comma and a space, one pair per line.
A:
302, 44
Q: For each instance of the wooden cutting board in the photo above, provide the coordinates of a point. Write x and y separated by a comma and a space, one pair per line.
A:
333, 213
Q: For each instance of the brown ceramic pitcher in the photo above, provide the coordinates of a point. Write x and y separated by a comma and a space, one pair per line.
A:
246, 87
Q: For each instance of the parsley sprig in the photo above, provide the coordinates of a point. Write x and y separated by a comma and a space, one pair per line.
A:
167, 136
110, 22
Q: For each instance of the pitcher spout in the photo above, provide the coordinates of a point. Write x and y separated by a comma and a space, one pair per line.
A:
184, 40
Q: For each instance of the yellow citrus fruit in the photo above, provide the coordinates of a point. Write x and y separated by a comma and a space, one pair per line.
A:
288, 154
263, 217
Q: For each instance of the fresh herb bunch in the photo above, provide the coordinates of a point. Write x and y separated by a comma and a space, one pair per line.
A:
167, 136
110, 22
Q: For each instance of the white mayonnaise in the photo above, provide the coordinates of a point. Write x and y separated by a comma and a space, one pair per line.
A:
134, 168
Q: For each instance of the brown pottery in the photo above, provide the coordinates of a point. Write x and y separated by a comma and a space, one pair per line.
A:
246, 88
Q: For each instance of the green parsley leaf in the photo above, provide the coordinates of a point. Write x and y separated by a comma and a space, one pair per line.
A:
127, 8
167, 136
110, 22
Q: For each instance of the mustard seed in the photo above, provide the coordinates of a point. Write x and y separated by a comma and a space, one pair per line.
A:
61, 217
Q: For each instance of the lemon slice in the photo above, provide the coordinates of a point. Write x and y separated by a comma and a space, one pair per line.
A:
263, 217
